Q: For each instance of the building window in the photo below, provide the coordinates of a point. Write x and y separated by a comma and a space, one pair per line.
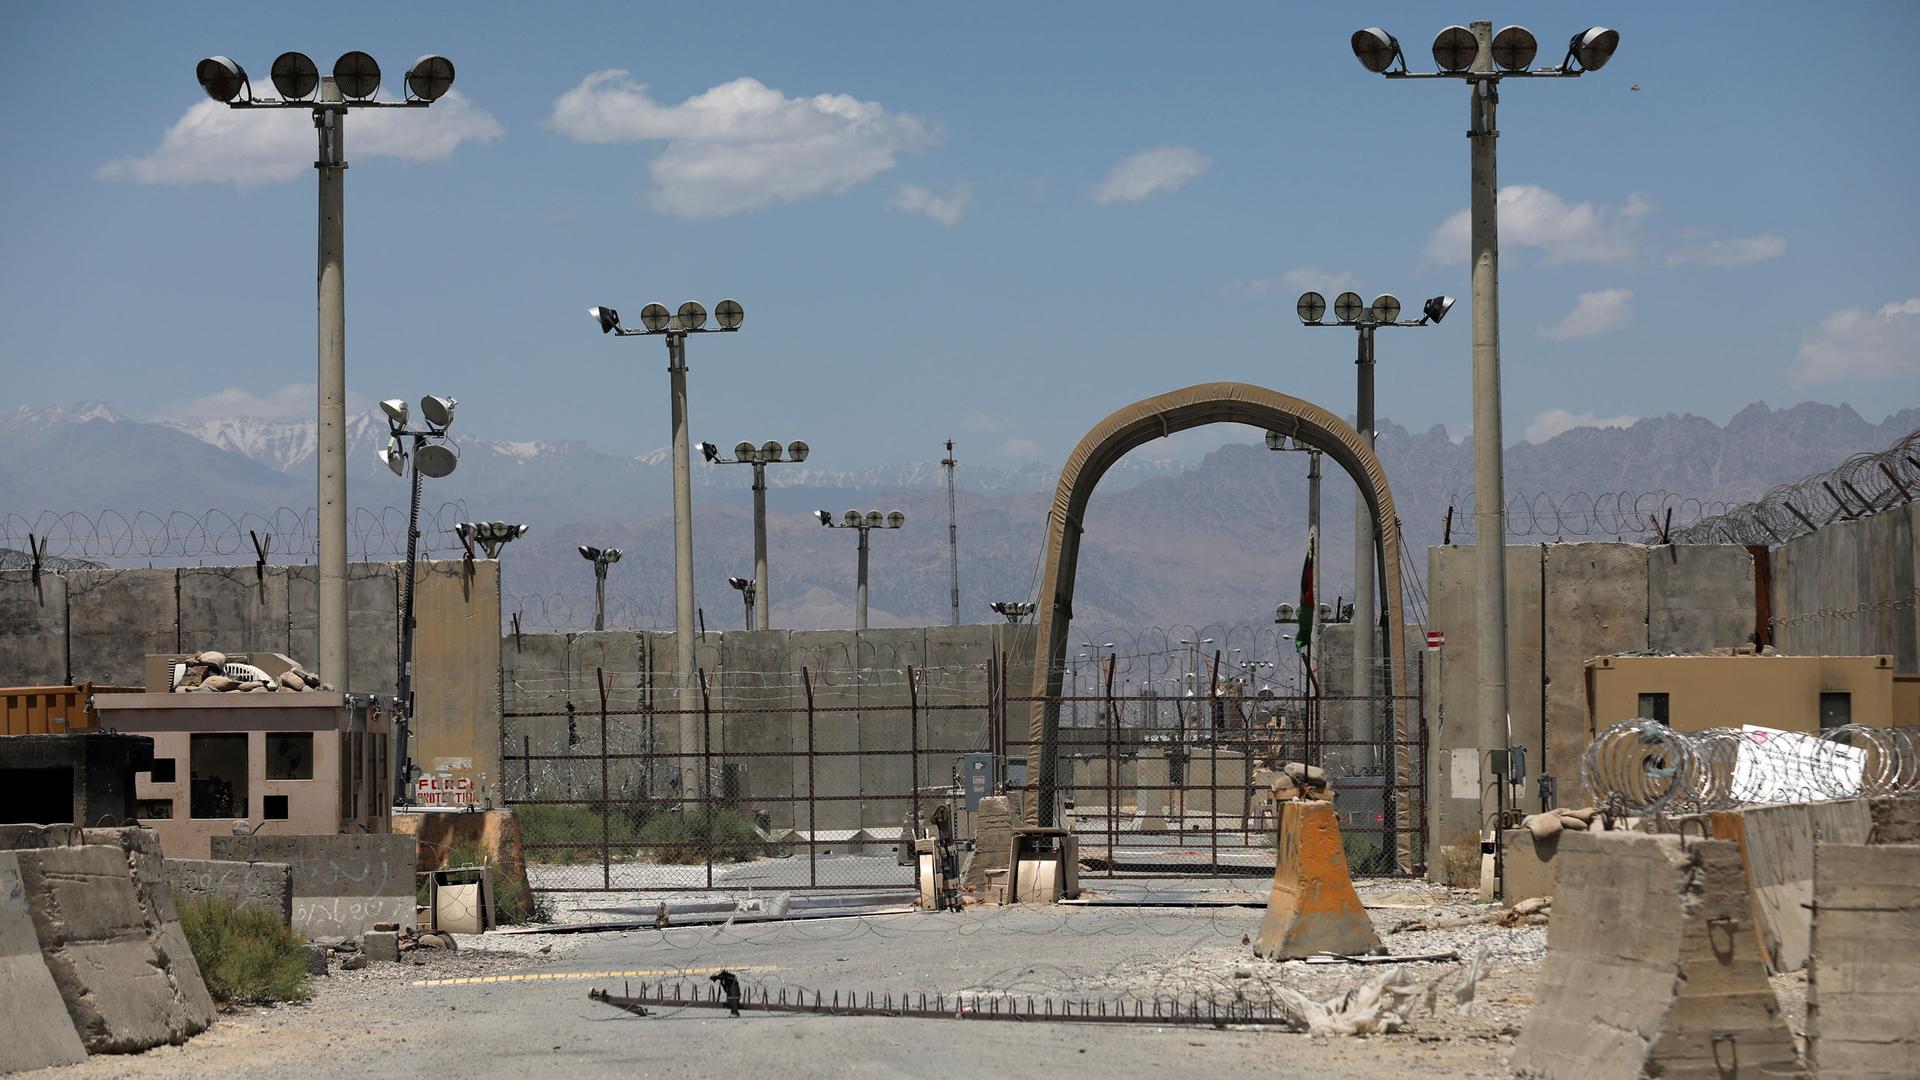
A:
162, 770
218, 762
1836, 709
289, 755
153, 809
273, 807
1654, 707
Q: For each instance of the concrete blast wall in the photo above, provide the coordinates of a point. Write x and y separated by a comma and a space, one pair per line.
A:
1852, 588
342, 885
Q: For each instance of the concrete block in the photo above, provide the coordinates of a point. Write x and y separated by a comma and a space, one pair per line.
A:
128, 983
1776, 845
1312, 907
35, 1030
1527, 864
234, 609
1896, 819
1700, 597
1649, 968
342, 885
993, 841
33, 628
259, 886
373, 622
495, 832
1862, 996
115, 618
456, 663
380, 945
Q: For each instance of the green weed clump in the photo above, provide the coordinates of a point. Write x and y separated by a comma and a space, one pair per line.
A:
685, 837
246, 956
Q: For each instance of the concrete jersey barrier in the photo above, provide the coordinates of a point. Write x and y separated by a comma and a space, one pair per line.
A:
342, 884
35, 1031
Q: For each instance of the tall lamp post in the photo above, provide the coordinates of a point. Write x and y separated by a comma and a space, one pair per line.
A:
767, 453
747, 589
1353, 313
865, 523
1483, 59
601, 558
355, 79
431, 457
656, 321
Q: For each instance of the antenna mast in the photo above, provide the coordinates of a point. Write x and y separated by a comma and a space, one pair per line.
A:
953, 536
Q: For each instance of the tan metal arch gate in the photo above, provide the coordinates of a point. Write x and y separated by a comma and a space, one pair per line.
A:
1158, 417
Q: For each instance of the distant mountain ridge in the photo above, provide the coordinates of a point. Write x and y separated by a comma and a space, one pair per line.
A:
1218, 540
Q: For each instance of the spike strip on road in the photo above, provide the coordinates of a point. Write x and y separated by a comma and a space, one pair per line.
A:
937, 1007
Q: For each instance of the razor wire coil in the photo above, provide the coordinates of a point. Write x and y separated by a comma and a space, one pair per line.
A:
1645, 767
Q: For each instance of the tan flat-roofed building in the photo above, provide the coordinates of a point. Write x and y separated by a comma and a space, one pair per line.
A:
1790, 693
281, 763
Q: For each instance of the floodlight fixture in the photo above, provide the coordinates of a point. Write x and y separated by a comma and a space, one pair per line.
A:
222, 78
397, 412
430, 77
1436, 308
693, 315
771, 450
710, 452
743, 584
895, 519
394, 456
1285, 613
438, 411
435, 460
655, 317
875, 518
1312, 307
853, 519
1385, 308
825, 516
608, 318
797, 451
1348, 307
729, 314
1455, 49
357, 75
1592, 48
743, 451
612, 555
1276, 440
1377, 50
591, 554
294, 75
1514, 48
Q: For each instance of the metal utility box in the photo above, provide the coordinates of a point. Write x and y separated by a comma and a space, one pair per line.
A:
976, 778
1362, 806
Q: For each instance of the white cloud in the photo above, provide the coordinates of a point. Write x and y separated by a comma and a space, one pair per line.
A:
1151, 171
978, 422
945, 209
1304, 279
212, 142
1559, 421
1855, 343
1020, 449
1594, 313
1531, 216
1738, 251
741, 145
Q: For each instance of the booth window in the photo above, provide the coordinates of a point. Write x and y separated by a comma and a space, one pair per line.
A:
273, 807
153, 809
218, 763
289, 755
1836, 709
1654, 707
162, 770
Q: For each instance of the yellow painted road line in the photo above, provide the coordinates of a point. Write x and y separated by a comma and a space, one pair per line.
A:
661, 973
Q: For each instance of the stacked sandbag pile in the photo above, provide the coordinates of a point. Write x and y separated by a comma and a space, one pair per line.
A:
1550, 823
1294, 780
206, 674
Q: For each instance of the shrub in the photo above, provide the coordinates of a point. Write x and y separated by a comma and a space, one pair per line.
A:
574, 824
683, 837
245, 956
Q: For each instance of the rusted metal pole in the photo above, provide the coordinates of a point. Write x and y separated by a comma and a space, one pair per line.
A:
706, 771
606, 794
813, 849
913, 756
1113, 765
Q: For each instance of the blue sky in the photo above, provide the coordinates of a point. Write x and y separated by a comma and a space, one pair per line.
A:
994, 222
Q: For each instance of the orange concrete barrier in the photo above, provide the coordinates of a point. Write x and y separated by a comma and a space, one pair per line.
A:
1312, 908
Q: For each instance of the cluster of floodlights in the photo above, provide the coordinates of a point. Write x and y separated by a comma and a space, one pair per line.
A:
431, 459
1350, 310
601, 558
1514, 48
690, 319
746, 453
295, 76
854, 519
1014, 610
490, 535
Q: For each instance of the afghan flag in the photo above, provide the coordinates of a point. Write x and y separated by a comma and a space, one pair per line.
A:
1309, 606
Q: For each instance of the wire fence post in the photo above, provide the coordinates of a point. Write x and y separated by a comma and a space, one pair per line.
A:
1213, 763
913, 757
813, 832
1113, 765
606, 788
706, 769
